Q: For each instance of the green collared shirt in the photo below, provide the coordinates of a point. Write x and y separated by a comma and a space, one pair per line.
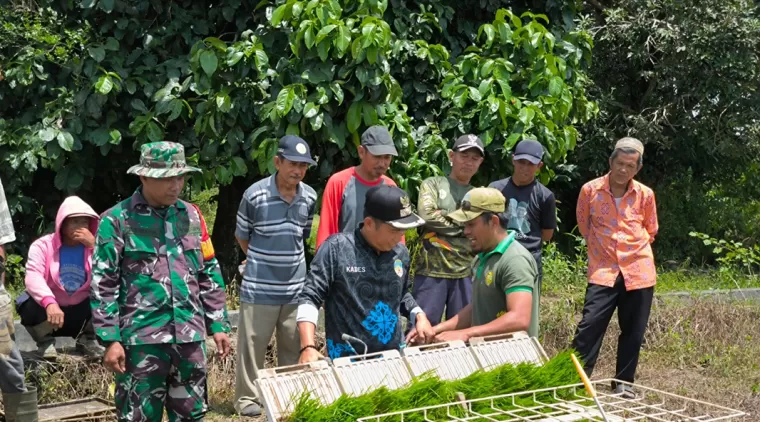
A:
507, 269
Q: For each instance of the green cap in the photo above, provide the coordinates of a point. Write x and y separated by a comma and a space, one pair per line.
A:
476, 202
159, 160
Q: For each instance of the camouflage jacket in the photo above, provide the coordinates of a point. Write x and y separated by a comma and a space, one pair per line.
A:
150, 281
445, 251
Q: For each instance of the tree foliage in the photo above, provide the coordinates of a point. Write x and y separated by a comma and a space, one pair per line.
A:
683, 77
86, 83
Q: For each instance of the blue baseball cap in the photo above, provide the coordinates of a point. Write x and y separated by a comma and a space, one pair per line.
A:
295, 149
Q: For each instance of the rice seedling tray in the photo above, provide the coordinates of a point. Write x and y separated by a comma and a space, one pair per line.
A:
430, 390
448, 361
361, 374
514, 348
279, 388
87, 409
570, 403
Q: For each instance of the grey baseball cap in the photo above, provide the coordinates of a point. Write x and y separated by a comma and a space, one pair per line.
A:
465, 142
530, 150
378, 141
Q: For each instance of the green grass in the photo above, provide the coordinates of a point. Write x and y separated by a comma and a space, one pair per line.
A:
566, 277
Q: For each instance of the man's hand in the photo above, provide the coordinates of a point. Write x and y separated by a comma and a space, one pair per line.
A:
453, 336
115, 359
424, 331
54, 315
412, 338
222, 341
84, 237
309, 355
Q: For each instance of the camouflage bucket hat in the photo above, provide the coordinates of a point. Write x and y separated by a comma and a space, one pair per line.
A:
162, 159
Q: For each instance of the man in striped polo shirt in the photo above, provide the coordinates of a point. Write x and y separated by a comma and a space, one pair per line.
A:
273, 222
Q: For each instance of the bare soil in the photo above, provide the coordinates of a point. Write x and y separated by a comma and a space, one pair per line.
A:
704, 349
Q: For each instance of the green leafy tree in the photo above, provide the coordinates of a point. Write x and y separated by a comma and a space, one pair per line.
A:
678, 76
86, 83
520, 81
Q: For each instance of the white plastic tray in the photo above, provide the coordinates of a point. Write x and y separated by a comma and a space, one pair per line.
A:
364, 373
280, 388
571, 403
449, 361
514, 348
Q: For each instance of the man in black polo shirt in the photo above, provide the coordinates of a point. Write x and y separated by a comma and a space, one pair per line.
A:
531, 210
362, 280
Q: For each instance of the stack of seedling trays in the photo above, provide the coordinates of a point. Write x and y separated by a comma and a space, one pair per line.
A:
279, 388
298, 392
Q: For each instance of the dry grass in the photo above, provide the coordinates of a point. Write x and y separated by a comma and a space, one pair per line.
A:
702, 349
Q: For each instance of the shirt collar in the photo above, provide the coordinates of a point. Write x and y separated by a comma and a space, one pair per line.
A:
361, 242
632, 185
275, 193
138, 201
500, 248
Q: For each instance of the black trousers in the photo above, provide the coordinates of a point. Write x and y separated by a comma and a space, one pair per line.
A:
633, 316
75, 317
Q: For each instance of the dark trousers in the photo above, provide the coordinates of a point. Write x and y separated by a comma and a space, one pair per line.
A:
433, 294
633, 316
75, 317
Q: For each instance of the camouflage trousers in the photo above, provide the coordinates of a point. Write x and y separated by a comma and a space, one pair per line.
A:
158, 375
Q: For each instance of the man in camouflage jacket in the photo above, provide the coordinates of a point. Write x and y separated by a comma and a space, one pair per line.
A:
157, 291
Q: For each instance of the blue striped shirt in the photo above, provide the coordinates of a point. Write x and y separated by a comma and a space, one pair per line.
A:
275, 231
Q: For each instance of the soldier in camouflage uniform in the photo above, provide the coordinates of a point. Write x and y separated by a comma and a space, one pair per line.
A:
157, 291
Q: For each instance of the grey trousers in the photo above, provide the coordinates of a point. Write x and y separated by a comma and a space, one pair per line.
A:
11, 363
12, 372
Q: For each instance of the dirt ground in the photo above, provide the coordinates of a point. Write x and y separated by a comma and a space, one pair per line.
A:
694, 383
702, 350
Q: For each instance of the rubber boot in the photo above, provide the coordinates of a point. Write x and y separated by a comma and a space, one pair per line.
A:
88, 344
21, 407
42, 334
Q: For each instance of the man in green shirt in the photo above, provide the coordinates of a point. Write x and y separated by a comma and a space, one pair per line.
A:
504, 272
442, 276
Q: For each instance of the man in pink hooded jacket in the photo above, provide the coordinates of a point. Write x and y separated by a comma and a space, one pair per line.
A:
58, 272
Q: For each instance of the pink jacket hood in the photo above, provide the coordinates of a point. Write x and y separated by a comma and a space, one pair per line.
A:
43, 264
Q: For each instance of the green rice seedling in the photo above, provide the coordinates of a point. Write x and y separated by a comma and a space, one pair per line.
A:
429, 390
306, 406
